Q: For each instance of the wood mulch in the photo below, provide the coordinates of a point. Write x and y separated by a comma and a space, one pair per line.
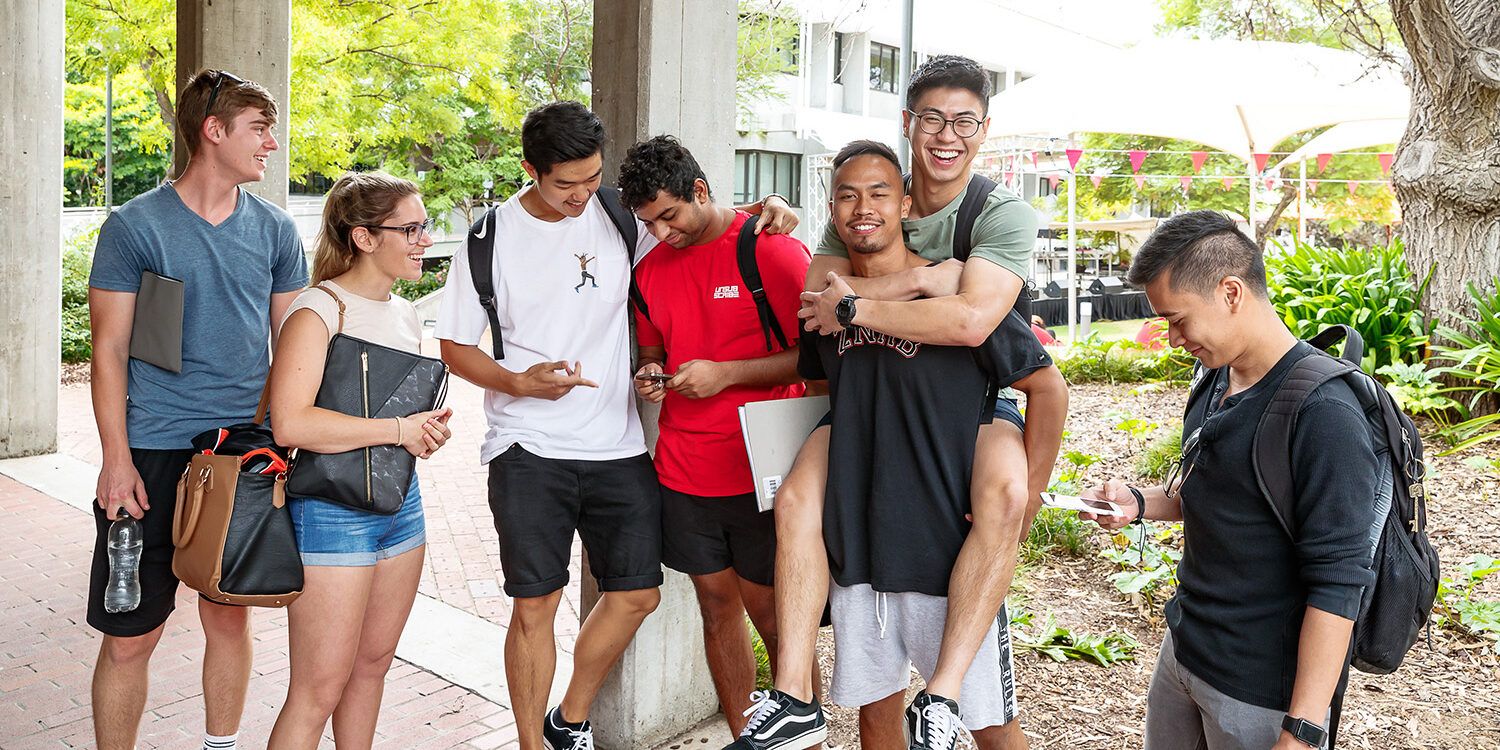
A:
1444, 697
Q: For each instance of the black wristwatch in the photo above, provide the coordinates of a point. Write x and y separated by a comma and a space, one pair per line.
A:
1304, 731
845, 310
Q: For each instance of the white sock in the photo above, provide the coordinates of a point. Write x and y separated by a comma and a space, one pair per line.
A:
227, 742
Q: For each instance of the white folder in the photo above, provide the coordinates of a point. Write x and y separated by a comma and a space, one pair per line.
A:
774, 432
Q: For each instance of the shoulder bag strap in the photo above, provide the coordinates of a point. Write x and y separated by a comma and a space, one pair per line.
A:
750, 274
265, 390
481, 257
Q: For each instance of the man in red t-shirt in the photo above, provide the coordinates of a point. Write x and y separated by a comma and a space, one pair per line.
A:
702, 327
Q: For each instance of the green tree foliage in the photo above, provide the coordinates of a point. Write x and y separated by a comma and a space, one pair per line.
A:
142, 141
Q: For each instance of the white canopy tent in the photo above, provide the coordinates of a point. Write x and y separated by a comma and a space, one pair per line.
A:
1345, 136
1239, 97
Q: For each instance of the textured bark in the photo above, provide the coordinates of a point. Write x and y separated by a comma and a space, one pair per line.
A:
1447, 169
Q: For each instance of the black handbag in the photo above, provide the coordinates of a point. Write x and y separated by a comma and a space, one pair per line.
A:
365, 379
232, 532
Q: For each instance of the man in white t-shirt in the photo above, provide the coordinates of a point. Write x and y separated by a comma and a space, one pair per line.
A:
565, 448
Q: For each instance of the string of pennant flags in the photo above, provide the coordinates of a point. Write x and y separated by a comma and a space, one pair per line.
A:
1137, 158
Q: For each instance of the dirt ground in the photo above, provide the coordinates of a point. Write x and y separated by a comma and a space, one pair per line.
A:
1444, 697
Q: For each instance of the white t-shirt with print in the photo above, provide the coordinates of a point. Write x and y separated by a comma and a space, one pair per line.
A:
560, 291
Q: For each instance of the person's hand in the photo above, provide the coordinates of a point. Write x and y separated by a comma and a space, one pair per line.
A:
542, 380
699, 378
425, 432
120, 486
651, 390
818, 308
1115, 492
776, 217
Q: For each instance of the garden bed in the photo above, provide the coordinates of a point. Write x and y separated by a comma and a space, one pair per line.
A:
1443, 697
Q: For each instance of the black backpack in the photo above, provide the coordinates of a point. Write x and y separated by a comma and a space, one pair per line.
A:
1394, 610
744, 256
481, 249
975, 195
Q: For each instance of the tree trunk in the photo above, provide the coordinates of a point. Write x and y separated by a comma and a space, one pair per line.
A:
1447, 169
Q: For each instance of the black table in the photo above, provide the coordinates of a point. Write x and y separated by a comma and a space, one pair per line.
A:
1130, 305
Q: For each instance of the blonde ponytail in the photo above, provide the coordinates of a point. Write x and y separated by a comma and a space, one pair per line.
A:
358, 199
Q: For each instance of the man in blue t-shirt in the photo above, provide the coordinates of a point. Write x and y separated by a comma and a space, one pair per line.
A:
240, 263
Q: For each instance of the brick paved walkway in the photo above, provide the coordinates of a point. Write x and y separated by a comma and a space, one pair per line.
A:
47, 657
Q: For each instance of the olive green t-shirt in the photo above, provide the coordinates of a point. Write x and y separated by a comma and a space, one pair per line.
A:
1004, 233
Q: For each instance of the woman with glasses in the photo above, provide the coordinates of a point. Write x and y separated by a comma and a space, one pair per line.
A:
361, 569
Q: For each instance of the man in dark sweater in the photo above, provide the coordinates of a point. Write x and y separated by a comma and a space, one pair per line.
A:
1259, 629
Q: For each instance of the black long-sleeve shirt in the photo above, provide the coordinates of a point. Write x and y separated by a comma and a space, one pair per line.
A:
1236, 618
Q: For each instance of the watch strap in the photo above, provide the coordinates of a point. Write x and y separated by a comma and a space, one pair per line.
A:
1304, 731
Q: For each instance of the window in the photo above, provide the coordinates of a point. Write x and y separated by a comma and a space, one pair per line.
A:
885, 69
758, 173
839, 53
997, 81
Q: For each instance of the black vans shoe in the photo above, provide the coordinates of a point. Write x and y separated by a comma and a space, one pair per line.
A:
560, 735
932, 723
780, 722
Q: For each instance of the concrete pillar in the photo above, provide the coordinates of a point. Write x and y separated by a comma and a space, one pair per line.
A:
856, 75
663, 66
820, 64
252, 40
31, 151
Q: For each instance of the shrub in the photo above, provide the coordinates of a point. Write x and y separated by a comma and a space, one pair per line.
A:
1056, 531
77, 260
431, 281
1457, 608
1121, 361
1159, 456
1369, 289
1474, 366
1416, 390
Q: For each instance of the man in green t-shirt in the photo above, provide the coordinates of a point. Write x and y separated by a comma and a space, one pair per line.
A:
949, 303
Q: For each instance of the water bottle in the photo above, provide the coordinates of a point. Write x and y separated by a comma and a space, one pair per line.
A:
124, 591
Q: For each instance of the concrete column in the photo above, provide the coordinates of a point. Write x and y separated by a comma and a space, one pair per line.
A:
663, 66
31, 150
856, 76
820, 64
252, 40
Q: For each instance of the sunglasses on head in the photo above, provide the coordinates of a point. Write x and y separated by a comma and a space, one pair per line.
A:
213, 93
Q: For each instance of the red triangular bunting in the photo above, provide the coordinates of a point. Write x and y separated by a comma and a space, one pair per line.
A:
1034, 161
1186, 182
1054, 181
1313, 184
1074, 154
1385, 162
1353, 186
1199, 157
1140, 181
1007, 177
1096, 179
1323, 160
1137, 158
1226, 183
1260, 162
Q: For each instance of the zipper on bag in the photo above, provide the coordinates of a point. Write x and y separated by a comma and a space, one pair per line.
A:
364, 390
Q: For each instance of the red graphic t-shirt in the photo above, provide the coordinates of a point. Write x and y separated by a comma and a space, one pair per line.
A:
700, 309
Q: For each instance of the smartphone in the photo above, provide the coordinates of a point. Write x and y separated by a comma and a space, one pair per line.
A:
654, 377
1081, 504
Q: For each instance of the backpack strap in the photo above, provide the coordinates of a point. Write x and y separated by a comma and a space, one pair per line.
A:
975, 195
1272, 449
750, 273
624, 222
481, 257
1354, 344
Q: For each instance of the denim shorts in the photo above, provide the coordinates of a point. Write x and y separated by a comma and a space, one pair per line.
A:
333, 534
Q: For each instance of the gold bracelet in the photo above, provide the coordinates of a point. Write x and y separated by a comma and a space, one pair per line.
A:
400, 432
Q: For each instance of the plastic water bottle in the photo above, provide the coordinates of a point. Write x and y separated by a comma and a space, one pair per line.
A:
124, 591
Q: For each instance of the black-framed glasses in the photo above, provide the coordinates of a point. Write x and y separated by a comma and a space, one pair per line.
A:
414, 232
213, 93
1178, 475
933, 123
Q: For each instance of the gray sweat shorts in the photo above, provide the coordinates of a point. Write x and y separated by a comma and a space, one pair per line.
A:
878, 638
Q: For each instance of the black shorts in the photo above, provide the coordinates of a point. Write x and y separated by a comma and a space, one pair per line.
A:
615, 506
702, 535
159, 470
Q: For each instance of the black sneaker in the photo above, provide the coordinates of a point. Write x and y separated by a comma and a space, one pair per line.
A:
560, 735
780, 722
932, 723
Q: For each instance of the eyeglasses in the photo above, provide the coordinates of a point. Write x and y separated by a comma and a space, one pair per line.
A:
414, 232
1177, 475
933, 123
213, 93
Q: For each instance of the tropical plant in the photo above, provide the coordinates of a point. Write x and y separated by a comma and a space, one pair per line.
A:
431, 281
1369, 289
1164, 450
1061, 644
1097, 360
1417, 390
77, 260
1473, 357
1456, 606
1148, 563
